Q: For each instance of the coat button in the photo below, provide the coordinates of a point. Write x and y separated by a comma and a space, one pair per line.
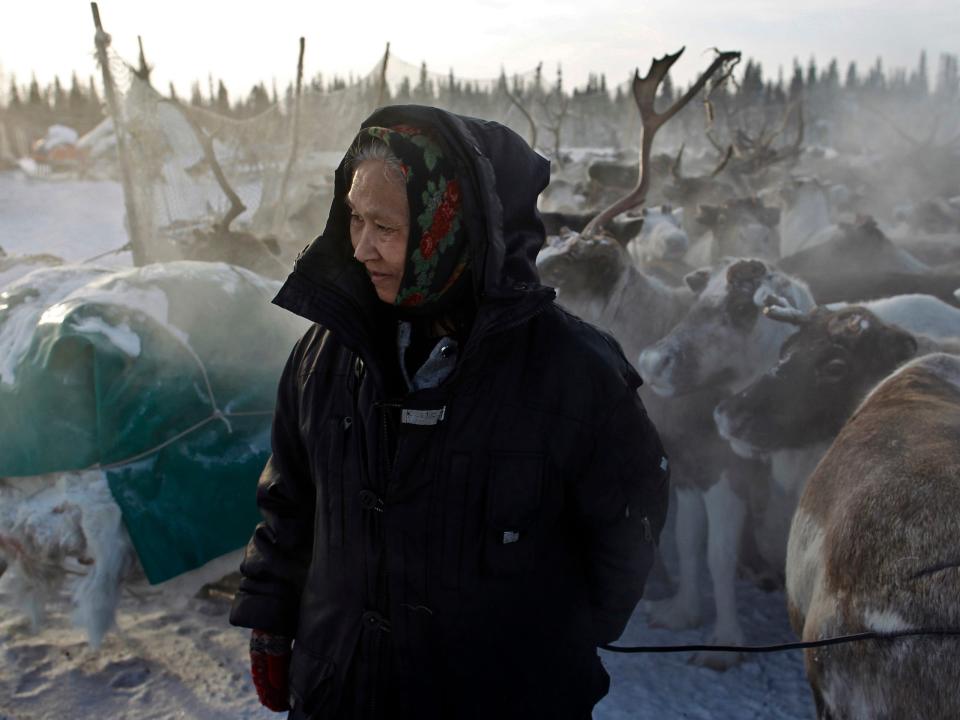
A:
347, 422
373, 619
370, 501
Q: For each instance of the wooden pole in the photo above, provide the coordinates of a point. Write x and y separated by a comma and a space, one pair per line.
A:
383, 78
143, 72
137, 244
295, 139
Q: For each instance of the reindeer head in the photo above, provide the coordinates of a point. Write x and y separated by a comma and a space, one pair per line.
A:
825, 370
724, 339
743, 228
583, 269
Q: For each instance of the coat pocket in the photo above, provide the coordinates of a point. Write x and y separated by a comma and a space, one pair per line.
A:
311, 684
514, 489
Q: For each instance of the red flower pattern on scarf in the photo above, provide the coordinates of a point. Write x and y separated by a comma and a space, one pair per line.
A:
442, 220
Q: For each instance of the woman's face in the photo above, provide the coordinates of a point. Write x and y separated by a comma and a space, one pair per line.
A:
379, 225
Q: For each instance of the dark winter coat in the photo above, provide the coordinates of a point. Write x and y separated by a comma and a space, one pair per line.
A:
456, 552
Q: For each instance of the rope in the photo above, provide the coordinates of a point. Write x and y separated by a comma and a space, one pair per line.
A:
108, 252
838, 640
216, 414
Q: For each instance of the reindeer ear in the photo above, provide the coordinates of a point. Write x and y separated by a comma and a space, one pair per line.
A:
850, 322
697, 280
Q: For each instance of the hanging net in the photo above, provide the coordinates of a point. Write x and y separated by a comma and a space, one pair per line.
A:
206, 185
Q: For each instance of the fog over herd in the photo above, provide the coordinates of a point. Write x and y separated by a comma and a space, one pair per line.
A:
777, 253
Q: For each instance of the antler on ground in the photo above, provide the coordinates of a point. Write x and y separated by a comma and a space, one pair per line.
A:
645, 93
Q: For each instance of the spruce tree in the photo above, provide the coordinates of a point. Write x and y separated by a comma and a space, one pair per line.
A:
796, 81
13, 100
76, 100
852, 81
223, 99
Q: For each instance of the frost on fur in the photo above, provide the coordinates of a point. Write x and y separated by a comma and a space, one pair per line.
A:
46, 520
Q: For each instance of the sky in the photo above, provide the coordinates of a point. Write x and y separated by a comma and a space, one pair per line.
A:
245, 42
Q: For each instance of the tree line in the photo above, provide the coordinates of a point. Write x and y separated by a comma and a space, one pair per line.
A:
31, 108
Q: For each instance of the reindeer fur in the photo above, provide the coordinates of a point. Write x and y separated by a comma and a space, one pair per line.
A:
873, 547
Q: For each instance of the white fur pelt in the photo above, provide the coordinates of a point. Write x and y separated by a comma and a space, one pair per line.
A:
52, 526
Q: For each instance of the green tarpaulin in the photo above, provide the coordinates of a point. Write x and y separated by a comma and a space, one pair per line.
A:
165, 376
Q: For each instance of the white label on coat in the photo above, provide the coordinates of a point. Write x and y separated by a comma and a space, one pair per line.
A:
510, 536
422, 417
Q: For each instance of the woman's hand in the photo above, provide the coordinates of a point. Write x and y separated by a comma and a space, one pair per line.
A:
269, 666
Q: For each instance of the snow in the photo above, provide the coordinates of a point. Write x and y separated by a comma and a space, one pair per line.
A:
36, 291
173, 655
125, 339
72, 219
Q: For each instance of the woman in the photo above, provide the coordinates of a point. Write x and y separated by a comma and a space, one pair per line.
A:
465, 490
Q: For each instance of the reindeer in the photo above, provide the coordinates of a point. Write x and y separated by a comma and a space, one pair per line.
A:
593, 273
825, 369
725, 342
805, 215
751, 156
742, 227
859, 262
596, 279
873, 548
690, 191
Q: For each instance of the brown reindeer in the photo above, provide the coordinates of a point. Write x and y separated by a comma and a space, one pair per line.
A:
873, 547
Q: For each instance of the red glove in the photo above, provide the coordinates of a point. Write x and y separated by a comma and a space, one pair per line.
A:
269, 665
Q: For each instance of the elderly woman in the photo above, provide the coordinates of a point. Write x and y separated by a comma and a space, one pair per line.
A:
464, 491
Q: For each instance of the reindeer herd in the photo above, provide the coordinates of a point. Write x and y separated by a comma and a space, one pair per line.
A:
801, 360
802, 363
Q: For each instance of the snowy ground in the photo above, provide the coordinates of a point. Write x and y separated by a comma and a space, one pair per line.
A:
180, 659
72, 219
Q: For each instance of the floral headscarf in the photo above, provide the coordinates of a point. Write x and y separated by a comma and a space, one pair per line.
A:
437, 249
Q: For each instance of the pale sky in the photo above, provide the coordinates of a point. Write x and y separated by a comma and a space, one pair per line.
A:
244, 42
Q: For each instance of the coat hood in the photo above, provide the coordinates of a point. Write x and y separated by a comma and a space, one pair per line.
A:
501, 178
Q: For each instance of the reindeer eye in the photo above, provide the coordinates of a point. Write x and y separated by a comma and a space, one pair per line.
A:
835, 370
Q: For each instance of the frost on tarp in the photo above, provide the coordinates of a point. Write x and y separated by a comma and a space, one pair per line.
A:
164, 375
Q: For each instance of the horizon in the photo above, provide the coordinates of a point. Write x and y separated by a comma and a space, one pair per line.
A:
511, 39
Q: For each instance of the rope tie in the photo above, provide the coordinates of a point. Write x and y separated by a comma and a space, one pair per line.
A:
823, 642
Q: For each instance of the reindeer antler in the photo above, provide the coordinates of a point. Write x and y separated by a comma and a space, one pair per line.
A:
788, 315
645, 93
